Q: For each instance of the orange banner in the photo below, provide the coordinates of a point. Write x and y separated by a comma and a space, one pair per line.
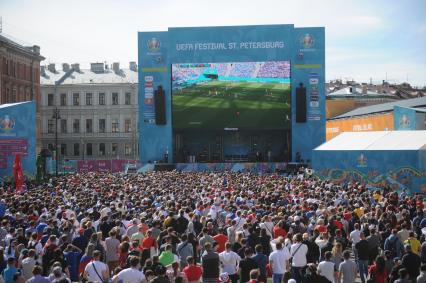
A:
382, 122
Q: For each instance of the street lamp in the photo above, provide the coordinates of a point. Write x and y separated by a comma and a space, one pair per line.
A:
56, 116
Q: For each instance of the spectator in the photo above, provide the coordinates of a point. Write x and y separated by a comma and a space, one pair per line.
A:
411, 263
279, 262
131, 274
96, 270
378, 272
37, 276
327, 268
210, 260
262, 261
229, 261
192, 271
247, 264
298, 252
347, 269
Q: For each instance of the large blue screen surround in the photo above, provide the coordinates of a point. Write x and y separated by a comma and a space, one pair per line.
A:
303, 48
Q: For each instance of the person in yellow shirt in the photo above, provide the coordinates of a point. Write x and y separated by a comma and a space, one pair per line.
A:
359, 211
414, 243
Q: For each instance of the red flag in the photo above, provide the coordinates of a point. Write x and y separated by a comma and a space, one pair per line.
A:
18, 174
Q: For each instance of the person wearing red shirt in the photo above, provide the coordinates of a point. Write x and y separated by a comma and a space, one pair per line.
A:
192, 271
279, 230
221, 240
147, 243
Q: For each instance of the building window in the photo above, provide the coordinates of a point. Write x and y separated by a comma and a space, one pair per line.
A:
115, 126
76, 126
14, 95
63, 149
127, 98
89, 98
51, 147
50, 99
89, 149
101, 125
127, 125
50, 126
101, 149
114, 148
63, 126
63, 99
76, 149
128, 149
114, 98
89, 126
101, 98
76, 99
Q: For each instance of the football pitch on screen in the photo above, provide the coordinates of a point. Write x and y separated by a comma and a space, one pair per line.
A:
223, 104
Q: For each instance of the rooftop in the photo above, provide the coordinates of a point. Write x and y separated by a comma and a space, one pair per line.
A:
73, 75
387, 140
384, 107
28, 50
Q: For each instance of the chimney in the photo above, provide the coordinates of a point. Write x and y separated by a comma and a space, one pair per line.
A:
76, 67
65, 67
43, 71
36, 49
116, 67
132, 66
51, 68
97, 67
364, 89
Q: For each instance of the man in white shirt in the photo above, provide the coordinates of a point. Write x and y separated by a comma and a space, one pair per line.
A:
355, 237
298, 252
96, 270
327, 268
268, 225
278, 261
229, 261
131, 274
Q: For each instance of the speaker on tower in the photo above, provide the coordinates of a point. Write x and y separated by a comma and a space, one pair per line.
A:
160, 106
301, 104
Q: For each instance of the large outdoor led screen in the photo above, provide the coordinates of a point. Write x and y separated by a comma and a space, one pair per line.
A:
238, 95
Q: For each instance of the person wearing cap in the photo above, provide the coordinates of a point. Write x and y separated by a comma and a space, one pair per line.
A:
411, 262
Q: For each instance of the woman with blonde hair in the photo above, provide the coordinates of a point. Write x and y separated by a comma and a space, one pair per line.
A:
337, 256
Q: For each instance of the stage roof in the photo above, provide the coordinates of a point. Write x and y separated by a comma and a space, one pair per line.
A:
387, 140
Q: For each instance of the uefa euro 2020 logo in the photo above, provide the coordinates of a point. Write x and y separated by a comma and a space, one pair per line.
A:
7, 123
362, 161
307, 41
154, 44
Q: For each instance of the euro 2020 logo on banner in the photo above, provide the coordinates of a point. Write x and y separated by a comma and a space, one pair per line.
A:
307, 41
154, 44
7, 123
362, 160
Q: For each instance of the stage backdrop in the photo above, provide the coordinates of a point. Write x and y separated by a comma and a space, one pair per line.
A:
303, 47
17, 136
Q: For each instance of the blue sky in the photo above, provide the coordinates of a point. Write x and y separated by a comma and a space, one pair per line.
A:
364, 39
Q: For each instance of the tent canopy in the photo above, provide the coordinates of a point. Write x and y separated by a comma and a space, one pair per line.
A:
388, 140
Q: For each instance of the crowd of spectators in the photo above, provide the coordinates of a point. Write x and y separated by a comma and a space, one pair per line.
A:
180, 227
